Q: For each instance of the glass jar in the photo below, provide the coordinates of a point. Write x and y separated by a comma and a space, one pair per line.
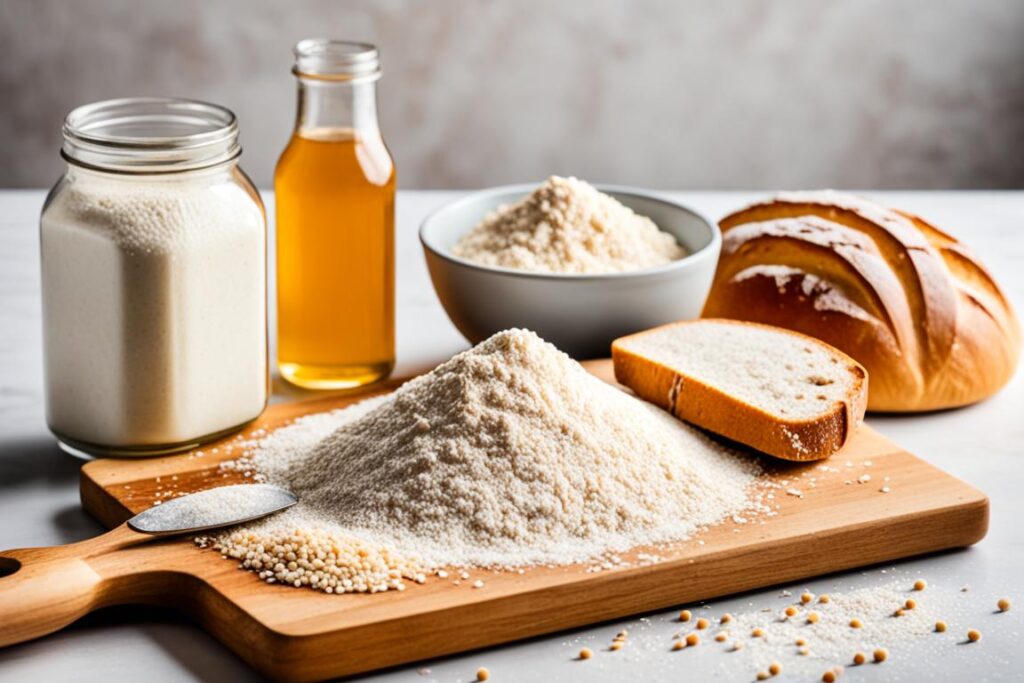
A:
335, 197
153, 248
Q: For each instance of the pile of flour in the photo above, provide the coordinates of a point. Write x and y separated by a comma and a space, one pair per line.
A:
509, 454
567, 226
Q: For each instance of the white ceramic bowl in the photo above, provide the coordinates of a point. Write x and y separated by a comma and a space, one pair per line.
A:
580, 314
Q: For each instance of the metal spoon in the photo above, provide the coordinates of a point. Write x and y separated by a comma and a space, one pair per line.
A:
200, 511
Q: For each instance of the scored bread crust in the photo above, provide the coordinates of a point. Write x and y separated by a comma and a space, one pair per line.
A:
695, 401
908, 301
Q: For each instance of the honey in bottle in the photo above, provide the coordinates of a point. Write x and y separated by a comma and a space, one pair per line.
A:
335, 195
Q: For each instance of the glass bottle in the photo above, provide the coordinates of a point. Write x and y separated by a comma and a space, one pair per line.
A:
335, 198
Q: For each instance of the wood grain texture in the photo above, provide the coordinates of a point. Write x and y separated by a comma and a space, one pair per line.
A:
294, 634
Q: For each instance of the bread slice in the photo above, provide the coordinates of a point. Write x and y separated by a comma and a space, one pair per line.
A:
781, 392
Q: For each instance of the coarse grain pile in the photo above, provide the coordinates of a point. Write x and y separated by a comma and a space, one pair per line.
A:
568, 226
509, 455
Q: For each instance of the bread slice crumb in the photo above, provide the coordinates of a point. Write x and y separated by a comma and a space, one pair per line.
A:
780, 392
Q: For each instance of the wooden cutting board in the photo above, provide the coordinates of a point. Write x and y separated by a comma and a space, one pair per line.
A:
296, 634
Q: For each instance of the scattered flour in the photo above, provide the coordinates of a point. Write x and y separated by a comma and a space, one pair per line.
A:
744, 645
829, 639
568, 226
508, 455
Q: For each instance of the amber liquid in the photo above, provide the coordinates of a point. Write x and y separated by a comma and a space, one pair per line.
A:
335, 196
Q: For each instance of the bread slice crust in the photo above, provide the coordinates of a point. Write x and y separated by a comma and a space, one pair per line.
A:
694, 400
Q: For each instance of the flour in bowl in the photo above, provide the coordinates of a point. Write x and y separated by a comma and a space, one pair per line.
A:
509, 454
568, 226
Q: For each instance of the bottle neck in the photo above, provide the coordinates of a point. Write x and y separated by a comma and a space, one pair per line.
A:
327, 106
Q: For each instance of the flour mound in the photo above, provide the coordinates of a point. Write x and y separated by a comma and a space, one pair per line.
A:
568, 226
508, 454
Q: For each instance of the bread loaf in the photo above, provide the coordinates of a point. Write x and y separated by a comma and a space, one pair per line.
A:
906, 300
780, 392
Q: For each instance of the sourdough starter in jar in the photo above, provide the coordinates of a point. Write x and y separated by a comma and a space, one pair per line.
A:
154, 281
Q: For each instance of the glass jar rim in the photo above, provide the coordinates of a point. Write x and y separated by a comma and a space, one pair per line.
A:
150, 135
336, 60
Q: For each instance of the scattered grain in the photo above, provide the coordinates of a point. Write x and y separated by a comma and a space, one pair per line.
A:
806, 598
1003, 605
813, 618
856, 623
685, 615
859, 658
974, 635
940, 626
920, 585
693, 639
880, 655
774, 668
703, 623
586, 653
482, 674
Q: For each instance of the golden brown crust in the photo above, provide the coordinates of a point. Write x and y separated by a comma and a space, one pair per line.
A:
712, 409
910, 302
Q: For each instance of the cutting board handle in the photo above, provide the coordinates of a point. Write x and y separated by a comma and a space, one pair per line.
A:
43, 590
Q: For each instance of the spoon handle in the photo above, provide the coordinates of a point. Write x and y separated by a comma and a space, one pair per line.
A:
43, 590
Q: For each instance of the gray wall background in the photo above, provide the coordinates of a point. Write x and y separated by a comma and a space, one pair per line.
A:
684, 94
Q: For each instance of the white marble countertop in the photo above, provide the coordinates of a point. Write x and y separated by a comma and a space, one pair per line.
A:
982, 444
